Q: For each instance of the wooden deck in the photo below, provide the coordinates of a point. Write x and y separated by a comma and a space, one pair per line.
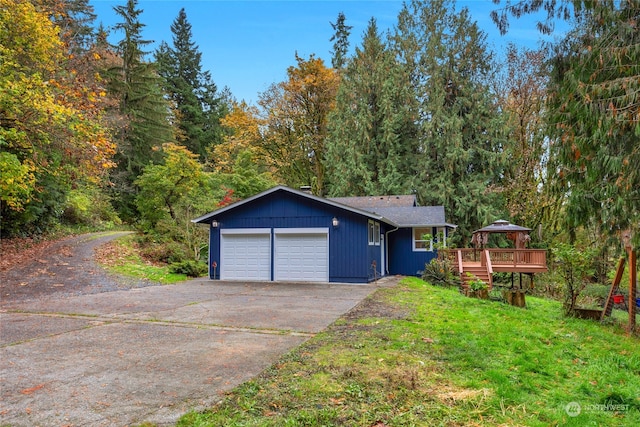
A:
482, 263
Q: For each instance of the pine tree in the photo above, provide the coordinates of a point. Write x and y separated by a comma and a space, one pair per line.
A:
198, 108
139, 90
372, 146
341, 42
461, 129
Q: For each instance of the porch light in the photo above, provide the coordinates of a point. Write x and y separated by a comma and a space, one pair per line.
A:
215, 223
335, 222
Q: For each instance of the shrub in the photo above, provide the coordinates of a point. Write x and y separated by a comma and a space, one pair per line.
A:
190, 268
89, 207
156, 250
440, 272
575, 265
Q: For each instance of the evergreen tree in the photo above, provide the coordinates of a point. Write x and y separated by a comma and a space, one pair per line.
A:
372, 146
198, 108
139, 90
341, 42
461, 129
594, 112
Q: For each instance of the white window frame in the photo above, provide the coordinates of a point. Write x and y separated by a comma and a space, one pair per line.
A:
428, 247
373, 233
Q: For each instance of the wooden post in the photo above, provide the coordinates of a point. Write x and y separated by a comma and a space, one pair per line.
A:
632, 290
633, 273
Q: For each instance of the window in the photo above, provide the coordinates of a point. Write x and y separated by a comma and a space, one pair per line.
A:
441, 234
374, 233
422, 239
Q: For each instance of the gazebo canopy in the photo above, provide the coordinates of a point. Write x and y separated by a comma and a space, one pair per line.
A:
502, 226
519, 235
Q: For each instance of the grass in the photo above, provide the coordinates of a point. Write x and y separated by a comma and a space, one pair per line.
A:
121, 256
421, 355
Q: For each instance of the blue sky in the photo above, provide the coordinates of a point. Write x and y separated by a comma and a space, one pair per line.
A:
248, 44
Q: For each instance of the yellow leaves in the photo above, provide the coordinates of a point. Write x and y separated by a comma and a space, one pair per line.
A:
32, 38
16, 180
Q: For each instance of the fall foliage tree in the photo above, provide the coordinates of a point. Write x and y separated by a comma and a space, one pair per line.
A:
529, 176
51, 133
296, 113
241, 133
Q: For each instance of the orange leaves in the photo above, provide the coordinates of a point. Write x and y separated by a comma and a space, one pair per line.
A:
31, 390
242, 133
52, 115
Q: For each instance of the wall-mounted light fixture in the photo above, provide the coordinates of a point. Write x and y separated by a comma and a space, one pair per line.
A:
215, 223
335, 222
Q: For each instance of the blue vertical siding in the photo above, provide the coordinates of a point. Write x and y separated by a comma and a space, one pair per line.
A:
350, 256
403, 259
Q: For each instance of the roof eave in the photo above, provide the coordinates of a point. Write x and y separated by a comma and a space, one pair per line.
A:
429, 225
206, 218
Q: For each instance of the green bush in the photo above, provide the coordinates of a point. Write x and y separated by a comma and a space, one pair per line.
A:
164, 252
89, 207
191, 268
440, 272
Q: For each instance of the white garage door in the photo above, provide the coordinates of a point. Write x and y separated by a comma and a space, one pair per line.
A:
245, 254
301, 255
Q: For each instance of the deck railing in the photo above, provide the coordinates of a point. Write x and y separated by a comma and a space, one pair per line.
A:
498, 258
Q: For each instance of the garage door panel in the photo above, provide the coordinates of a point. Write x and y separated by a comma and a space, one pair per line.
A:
245, 257
301, 257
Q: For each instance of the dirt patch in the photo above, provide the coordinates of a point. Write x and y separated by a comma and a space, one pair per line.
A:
374, 306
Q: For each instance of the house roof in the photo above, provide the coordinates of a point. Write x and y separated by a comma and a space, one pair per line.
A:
208, 217
377, 201
406, 215
416, 216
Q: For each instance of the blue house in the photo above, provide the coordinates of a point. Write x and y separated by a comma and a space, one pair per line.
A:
284, 234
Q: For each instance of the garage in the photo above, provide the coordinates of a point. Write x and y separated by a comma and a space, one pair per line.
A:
301, 255
245, 254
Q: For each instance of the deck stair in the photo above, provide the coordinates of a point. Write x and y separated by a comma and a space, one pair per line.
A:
475, 270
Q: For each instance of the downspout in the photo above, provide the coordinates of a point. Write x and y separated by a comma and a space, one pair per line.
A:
386, 248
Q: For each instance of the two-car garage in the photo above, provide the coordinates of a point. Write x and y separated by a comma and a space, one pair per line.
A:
280, 254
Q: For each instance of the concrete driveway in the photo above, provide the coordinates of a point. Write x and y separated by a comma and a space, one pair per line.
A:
151, 354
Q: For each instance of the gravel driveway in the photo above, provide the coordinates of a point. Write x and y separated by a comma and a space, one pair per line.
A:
81, 348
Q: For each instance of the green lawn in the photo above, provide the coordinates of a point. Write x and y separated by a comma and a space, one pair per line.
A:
423, 355
121, 256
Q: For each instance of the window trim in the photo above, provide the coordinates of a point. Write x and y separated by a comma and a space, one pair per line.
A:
428, 248
373, 233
